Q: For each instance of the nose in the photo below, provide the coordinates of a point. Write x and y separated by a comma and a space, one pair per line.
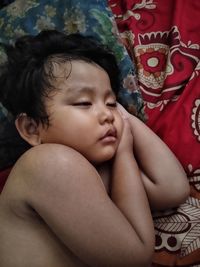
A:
106, 115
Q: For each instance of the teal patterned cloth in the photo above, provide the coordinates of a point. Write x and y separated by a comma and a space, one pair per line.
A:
89, 17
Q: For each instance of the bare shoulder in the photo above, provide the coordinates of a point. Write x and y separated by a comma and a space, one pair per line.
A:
47, 154
49, 159
46, 168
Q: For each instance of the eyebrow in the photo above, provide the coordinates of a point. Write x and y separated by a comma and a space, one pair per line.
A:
87, 89
80, 90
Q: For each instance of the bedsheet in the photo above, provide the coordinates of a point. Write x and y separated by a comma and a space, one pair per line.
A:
163, 39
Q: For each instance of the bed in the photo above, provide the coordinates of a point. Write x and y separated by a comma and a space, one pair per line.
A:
163, 40
158, 47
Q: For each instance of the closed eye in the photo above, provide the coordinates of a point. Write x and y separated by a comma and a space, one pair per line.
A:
85, 103
112, 104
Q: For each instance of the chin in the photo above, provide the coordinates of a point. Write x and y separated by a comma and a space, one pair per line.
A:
101, 159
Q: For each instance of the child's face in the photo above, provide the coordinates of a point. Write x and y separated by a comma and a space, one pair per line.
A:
83, 113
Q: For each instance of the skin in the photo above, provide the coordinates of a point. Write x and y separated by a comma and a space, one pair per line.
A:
78, 197
75, 108
163, 176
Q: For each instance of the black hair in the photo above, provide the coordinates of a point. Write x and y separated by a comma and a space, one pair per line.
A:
25, 77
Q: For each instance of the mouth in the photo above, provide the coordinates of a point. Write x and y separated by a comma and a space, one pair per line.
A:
109, 136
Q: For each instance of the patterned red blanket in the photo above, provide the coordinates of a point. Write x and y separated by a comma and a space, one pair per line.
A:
163, 39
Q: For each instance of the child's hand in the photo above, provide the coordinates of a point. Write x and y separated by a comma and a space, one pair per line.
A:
124, 113
126, 142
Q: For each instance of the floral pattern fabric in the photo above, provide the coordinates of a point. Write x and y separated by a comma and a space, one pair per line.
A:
163, 38
89, 17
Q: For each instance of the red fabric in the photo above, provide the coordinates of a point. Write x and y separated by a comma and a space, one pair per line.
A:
3, 177
163, 38
166, 48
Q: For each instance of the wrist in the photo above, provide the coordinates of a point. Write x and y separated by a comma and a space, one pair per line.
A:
124, 149
124, 154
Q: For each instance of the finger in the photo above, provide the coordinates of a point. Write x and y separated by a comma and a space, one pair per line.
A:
123, 112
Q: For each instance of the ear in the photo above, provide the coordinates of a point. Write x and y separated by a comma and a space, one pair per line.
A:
28, 129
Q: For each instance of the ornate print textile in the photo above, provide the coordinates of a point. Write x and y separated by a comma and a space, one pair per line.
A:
163, 39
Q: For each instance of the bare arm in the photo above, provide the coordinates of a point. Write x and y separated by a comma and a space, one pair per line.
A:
128, 193
68, 194
163, 176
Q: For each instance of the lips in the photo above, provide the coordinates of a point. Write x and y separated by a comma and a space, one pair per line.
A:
110, 135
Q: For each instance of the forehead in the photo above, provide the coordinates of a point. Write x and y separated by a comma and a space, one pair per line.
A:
61, 65
77, 73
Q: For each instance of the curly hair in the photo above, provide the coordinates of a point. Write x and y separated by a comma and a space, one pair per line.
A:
27, 75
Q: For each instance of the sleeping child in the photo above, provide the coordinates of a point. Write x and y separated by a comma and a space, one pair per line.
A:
82, 195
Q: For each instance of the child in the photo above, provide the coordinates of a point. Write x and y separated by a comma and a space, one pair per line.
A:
78, 197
